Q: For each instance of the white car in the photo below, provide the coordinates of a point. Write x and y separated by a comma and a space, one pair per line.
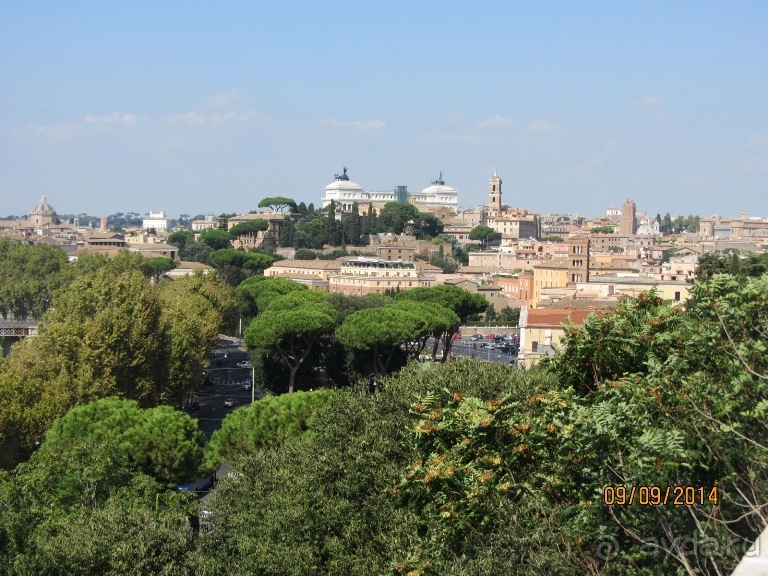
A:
244, 364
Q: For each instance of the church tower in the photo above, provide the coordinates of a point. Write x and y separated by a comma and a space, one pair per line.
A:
494, 195
627, 225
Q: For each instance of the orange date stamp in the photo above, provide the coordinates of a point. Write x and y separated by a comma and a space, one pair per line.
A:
661, 495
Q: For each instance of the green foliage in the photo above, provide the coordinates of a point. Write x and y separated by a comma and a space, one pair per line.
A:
257, 292
382, 331
248, 228
351, 226
461, 302
154, 268
287, 233
509, 315
196, 309
553, 239
109, 335
754, 265
325, 505
85, 511
215, 238
483, 233
235, 266
311, 234
395, 217
606, 347
290, 326
181, 238
278, 204
305, 254
29, 275
160, 442
267, 423
602, 230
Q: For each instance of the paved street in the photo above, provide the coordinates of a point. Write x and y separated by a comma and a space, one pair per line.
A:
469, 349
226, 382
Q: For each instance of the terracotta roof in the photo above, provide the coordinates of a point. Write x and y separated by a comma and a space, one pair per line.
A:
553, 263
314, 264
426, 267
297, 276
477, 269
193, 266
554, 318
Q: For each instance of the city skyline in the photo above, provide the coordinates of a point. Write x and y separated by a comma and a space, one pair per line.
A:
195, 110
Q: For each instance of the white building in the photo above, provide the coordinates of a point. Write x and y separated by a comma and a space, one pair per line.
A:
344, 193
156, 220
438, 195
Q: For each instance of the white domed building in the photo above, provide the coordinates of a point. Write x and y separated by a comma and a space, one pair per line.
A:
344, 193
436, 196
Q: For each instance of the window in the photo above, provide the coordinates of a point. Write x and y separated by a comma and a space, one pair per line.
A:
677, 296
534, 346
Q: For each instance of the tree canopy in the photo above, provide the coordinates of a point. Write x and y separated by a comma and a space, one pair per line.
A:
215, 238
483, 233
250, 227
290, 326
160, 442
278, 203
268, 423
29, 275
236, 265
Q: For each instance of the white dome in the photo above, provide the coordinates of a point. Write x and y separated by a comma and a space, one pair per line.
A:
439, 189
343, 186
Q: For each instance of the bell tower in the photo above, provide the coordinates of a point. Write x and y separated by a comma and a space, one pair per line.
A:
494, 195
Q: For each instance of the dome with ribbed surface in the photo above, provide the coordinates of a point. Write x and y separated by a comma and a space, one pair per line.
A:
43, 208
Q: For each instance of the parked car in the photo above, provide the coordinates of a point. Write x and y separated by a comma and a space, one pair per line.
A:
246, 385
229, 402
457, 336
475, 338
244, 364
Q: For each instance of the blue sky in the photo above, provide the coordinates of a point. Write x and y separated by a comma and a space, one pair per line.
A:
195, 107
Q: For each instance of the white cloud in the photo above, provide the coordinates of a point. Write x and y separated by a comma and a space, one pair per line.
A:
358, 125
114, 118
539, 127
648, 102
221, 119
189, 119
63, 131
494, 121
224, 99
757, 141
192, 119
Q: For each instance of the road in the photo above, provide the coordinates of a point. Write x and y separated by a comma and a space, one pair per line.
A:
464, 347
226, 382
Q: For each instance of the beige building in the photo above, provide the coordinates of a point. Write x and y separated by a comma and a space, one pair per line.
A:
362, 275
542, 329
312, 273
261, 239
397, 251
511, 223
743, 228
